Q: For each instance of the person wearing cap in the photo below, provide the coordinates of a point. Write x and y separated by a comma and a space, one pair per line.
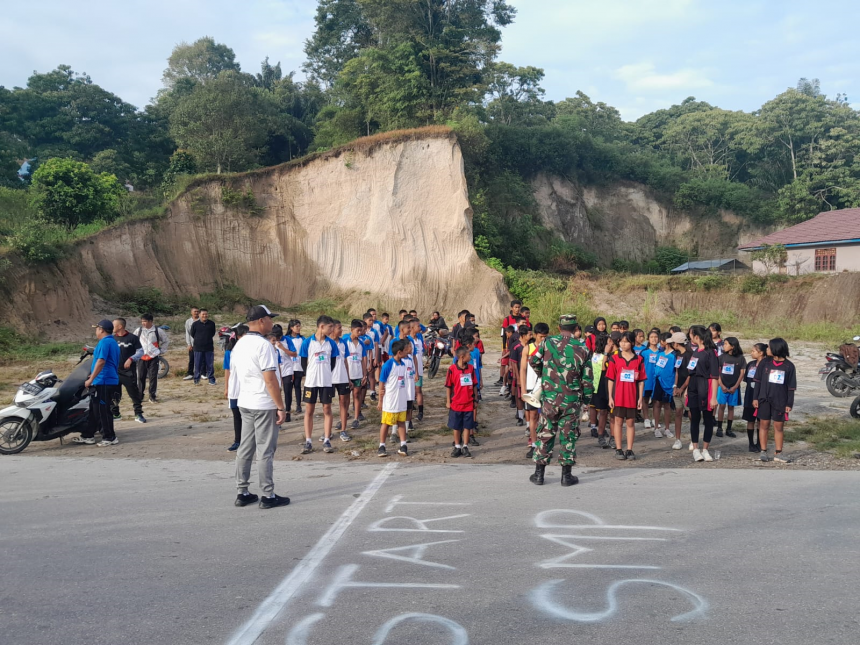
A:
683, 354
567, 383
255, 379
103, 382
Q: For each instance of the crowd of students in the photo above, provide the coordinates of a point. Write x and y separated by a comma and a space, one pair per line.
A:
656, 378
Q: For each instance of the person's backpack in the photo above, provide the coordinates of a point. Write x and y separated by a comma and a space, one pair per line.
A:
850, 353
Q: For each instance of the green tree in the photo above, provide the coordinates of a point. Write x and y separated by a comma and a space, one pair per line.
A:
515, 92
597, 119
200, 62
709, 142
222, 122
341, 33
68, 192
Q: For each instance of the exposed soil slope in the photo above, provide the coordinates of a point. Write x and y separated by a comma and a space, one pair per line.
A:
384, 221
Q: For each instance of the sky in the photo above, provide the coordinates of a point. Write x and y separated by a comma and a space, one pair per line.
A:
637, 55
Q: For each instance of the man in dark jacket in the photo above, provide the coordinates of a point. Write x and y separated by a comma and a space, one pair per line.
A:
202, 334
130, 352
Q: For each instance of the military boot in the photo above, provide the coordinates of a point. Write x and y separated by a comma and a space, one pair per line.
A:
567, 479
537, 477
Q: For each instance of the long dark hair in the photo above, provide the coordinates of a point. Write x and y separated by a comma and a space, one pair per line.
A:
238, 332
293, 322
703, 335
736, 346
603, 320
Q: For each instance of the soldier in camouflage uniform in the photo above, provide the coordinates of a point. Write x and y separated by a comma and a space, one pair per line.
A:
566, 379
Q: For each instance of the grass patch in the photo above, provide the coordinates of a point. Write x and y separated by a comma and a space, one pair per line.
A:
841, 436
15, 347
327, 306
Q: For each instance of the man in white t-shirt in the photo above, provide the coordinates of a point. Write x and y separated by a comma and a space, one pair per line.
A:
255, 382
318, 354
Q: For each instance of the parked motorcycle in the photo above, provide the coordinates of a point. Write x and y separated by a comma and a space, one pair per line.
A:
841, 372
437, 347
223, 336
42, 411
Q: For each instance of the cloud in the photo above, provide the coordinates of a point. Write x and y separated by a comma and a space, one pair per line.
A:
643, 77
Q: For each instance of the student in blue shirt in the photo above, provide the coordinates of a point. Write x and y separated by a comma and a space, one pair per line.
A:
649, 357
104, 387
664, 385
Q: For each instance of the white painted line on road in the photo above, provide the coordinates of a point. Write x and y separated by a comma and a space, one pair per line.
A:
277, 601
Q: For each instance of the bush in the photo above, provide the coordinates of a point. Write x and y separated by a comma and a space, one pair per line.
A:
753, 283
669, 257
37, 241
713, 282
530, 285
69, 193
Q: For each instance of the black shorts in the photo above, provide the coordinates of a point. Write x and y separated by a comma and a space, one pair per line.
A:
661, 396
599, 402
749, 415
323, 395
410, 405
530, 408
766, 412
342, 389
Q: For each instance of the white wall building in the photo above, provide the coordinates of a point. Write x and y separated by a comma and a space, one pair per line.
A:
828, 243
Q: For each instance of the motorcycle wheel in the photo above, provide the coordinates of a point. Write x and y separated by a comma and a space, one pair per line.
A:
15, 435
163, 367
434, 367
837, 384
855, 408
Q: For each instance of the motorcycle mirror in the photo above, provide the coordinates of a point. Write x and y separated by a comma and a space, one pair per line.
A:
165, 327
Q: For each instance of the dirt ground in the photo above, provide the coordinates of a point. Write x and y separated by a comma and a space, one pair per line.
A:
194, 422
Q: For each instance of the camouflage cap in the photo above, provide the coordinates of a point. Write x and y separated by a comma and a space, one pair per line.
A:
567, 320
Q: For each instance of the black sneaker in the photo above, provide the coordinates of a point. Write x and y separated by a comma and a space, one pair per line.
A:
602, 441
466, 452
731, 433
274, 502
473, 441
513, 402
244, 500
420, 416
499, 382
719, 432
308, 448
594, 432
531, 453
382, 452
152, 399
117, 415
403, 450
456, 452
755, 448
373, 396
629, 454
520, 422
619, 454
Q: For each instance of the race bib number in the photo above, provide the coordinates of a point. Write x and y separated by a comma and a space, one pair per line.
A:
751, 373
320, 357
728, 368
662, 361
466, 380
678, 362
411, 374
777, 376
652, 358
693, 363
401, 382
355, 358
628, 376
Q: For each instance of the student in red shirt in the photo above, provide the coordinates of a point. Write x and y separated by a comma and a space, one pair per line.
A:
512, 320
460, 395
625, 373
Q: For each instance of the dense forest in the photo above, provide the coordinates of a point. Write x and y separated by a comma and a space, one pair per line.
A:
378, 65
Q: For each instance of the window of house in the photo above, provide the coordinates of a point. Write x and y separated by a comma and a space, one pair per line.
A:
825, 259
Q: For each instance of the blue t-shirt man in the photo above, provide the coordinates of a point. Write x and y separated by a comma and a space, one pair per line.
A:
107, 350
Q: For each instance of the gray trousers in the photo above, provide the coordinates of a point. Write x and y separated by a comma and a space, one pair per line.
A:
260, 434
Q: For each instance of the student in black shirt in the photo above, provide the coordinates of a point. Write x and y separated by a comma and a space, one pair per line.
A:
683, 354
732, 365
775, 383
758, 353
702, 393
130, 351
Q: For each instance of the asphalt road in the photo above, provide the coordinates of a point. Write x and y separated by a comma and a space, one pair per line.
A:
147, 551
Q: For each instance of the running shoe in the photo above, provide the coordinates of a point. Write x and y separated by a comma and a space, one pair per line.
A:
90, 441
456, 452
594, 431
233, 447
105, 442
629, 454
647, 424
308, 448
763, 456
731, 433
243, 499
531, 453
345, 437
190, 377
619, 454
706, 455
465, 452
140, 418
403, 450
602, 441
354, 425
381, 452
677, 445
274, 502
697, 455
473, 441
327, 446
658, 434
782, 458
692, 446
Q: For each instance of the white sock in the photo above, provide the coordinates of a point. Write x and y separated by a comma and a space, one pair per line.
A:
402, 443
456, 446
520, 414
382, 445
272, 496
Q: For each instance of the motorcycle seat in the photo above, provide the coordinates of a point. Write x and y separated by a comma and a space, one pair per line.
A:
73, 384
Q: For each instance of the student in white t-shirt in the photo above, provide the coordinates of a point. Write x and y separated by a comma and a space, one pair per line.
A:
374, 356
254, 378
357, 368
318, 354
393, 396
285, 368
417, 338
340, 379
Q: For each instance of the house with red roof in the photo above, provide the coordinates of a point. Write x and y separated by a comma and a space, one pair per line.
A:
829, 243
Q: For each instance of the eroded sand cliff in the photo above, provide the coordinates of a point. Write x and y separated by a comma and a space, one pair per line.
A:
385, 223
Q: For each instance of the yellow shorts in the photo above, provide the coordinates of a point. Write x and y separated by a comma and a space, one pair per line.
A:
393, 418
